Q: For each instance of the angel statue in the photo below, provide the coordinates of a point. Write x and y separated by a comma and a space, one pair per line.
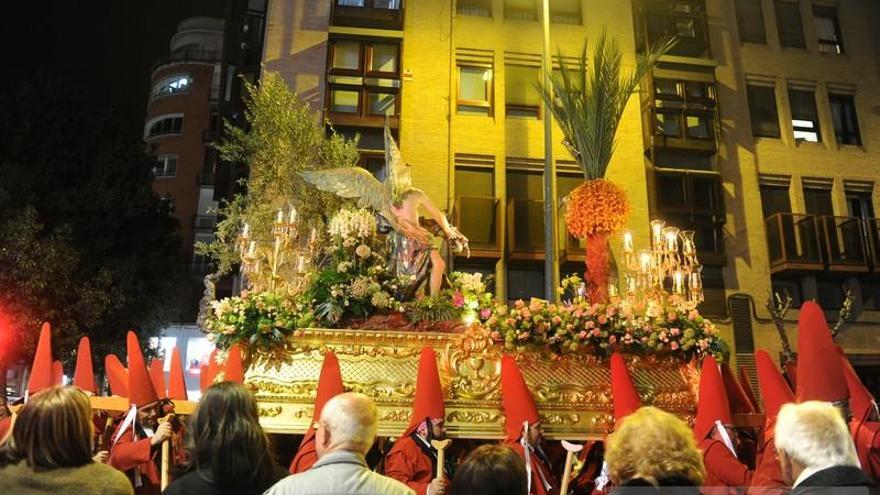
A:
414, 256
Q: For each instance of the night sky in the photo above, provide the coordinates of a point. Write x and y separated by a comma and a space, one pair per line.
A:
105, 47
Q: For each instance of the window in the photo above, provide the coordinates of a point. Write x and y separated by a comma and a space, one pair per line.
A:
166, 166
804, 117
827, 29
693, 201
176, 84
846, 122
376, 4
775, 199
750, 21
788, 22
521, 10
762, 108
684, 109
476, 205
364, 79
565, 12
164, 125
474, 89
474, 7
818, 201
684, 19
520, 95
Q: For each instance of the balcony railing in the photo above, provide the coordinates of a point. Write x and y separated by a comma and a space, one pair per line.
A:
800, 242
377, 14
479, 219
190, 55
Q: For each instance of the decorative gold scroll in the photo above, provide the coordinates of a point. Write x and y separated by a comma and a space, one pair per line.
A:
573, 393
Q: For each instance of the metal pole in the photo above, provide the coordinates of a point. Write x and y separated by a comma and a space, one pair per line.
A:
551, 237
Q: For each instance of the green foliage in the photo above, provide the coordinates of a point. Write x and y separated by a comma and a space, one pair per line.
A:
588, 102
256, 320
84, 242
283, 137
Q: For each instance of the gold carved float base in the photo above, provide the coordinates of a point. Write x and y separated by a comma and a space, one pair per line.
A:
573, 394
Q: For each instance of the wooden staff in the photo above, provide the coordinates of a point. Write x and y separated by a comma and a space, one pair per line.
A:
440, 445
166, 456
570, 450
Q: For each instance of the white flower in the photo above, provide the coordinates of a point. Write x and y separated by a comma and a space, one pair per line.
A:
348, 224
343, 266
380, 299
363, 251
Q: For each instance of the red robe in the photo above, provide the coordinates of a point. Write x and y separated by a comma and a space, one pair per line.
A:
538, 466
767, 479
5, 427
407, 462
127, 456
866, 435
723, 469
306, 455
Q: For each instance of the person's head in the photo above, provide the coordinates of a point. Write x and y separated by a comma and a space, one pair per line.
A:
148, 415
53, 430
437, 426
654, 445
229, 445
490, 470
812, 435
348, 422
536, 434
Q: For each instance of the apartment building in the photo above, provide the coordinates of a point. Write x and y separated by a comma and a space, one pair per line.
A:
760, 131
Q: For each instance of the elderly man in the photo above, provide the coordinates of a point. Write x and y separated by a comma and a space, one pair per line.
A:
816, 452
343, 435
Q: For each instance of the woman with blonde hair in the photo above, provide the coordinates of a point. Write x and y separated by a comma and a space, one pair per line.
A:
652, 448
50, 449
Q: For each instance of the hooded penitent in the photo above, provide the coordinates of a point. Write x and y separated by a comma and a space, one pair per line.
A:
329, 386
140, 387
176, 381
712, 404
516, 400
816, 380
42, 373
117, 375
428, 402
626, 397
84, 374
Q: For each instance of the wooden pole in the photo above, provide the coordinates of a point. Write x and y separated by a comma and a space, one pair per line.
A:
570, 450
440, 445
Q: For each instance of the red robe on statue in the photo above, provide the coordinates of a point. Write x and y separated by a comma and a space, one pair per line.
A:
133, 457
409, 464
540, 470
723, 469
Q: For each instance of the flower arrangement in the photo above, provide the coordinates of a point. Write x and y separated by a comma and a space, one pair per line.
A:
581, 326
260, 320
352, 280
466, 300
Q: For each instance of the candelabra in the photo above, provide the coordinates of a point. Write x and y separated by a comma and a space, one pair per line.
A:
279, 264
670, 266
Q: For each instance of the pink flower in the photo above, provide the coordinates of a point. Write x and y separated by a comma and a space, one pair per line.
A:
672, 316
556, 320
602, 319
693, 315
582, 335
596, 332
673, 346
578, 313
610, 311
495, 335
569, 327
519, 304
458, 300
590, 324
674, 332
663, 336
485, 313
525, 313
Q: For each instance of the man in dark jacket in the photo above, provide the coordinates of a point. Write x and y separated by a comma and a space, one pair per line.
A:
816, 451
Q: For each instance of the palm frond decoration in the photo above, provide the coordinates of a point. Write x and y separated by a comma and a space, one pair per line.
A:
588, 101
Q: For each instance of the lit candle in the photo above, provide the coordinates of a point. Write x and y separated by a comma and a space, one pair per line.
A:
246, 231
292, 215
301, 264
252, 248
279, 218
631, 285
671, 235
678, 282
627, 242
696, 282
657, 233
612, 289
645, 260
314, 236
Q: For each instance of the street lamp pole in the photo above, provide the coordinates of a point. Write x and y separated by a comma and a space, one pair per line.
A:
551, 237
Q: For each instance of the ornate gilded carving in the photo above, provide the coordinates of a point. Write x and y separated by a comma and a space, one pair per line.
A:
396, 415
269, 412
470, 366
475, 417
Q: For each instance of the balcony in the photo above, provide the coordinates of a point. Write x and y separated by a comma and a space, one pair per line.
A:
479, 219
683, 19
376, 14
525, 229
189, 55
798, 243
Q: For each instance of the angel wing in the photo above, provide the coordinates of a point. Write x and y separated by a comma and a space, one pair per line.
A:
354, 183
397, 176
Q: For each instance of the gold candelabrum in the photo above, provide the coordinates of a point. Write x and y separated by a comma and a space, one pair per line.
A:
670, 266
281, 264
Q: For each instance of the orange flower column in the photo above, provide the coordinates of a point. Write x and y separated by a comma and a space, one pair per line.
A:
595, 210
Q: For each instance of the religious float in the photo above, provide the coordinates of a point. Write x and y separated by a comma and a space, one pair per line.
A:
370, 286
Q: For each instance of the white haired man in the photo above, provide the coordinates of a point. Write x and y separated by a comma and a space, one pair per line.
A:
816, 452
343, 435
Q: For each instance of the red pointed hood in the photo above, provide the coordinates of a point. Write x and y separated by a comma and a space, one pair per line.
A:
233, 366
42, 375
157, 376
861, 401
737, 399
140, 386
626, 397
516, 400
747, 388
117, 375
817, 380
176, 380
712, 405
774, 389
429, 401
84, 375
57, 373
329, 386
209, 372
